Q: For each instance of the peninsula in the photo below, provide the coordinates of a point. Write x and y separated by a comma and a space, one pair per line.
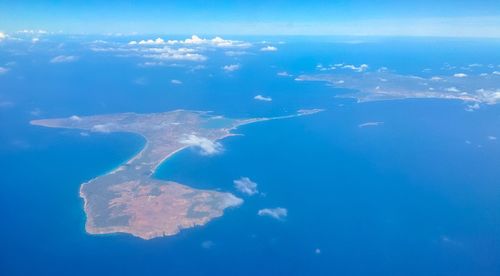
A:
128, 199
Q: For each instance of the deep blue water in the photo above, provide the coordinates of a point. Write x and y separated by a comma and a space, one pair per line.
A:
409, 197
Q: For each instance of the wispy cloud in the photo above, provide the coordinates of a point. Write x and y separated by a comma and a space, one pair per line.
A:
176, 82
207, 146
460, 75
63, 59
6, 104
3, 70
276, 213
269, 48
2, 36
246, 186
263, 98
368, 124
231, 67
283, 74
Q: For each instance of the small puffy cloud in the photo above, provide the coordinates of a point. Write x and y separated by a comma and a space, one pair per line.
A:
246, 186
452, 89
176, 82
2, 36
472, 107
263, 98
276, 213
269, 49
194, 40
369, 124
103, 128
64, 59
496, 73
361, 68
207, 146
157, 41
216, 41
436, 78
3, 70
219, 42
492, 137
283, 74
460, 75
231, 67
75, 118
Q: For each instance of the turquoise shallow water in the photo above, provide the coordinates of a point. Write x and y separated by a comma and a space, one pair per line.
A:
408, 197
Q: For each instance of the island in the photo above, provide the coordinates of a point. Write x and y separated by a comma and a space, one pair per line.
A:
129, 199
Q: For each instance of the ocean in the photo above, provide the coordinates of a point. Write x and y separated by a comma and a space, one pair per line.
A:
415, 195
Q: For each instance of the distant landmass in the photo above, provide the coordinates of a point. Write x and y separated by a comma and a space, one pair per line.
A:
128, 199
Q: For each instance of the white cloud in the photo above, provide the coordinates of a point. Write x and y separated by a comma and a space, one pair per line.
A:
246, 186
460, 75
236, 53
190, 49
472, 107
269, 49
2, 36
452, 89
216, 41
104, 128
263, 98
32, 32
231, 67
360, 69
436, 78
220, 42
492, 137
63, 59
207, 146
176, 82
276, 213
194, 40
368, 124
167, 53
75, 118
3, 70
157, 41
283, 74
496, 73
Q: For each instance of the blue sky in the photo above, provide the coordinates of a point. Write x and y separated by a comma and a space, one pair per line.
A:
316, 17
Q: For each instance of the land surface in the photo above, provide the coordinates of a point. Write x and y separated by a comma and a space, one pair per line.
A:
128, 199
